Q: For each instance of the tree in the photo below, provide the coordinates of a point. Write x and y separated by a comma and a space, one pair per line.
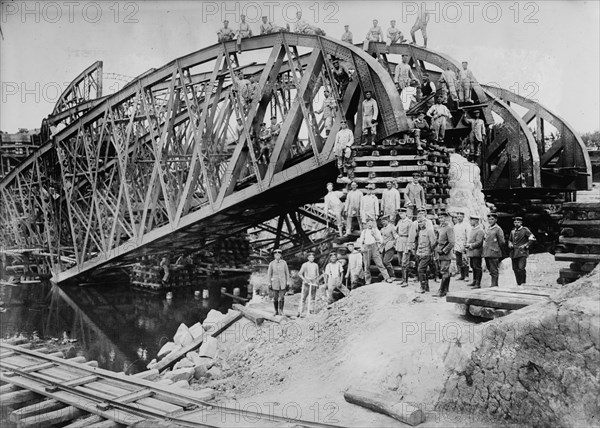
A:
591, 139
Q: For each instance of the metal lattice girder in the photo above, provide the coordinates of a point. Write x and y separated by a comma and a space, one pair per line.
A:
145, 171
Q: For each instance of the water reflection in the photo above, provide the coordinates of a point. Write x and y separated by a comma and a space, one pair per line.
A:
117, 326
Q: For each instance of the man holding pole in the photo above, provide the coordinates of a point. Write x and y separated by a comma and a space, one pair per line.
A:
309, 274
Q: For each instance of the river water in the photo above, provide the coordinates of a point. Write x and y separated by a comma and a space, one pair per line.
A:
120, 327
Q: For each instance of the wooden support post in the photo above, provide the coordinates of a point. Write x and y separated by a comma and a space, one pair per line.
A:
379, 403
17, 397
86, 422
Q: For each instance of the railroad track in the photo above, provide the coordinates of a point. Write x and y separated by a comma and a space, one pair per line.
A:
75, 390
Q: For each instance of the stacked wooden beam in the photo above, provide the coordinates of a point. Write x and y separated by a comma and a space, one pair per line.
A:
579, 240
395, 160
150, 277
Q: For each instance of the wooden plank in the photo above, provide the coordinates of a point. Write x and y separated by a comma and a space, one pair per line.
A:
472, 297
35, 409
250, 314
86, 422
105, 424
134, 396
524, 291
259, 313
590, 206
17, 397
51, 418
585, 223
578, 240
574, 256
172, 358
5, 389
398, 410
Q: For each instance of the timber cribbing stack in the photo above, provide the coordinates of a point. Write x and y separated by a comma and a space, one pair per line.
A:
45, 390
579, 240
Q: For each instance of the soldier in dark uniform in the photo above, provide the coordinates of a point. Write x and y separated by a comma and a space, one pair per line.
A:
474, 249
445, 245
492, 247
519, 241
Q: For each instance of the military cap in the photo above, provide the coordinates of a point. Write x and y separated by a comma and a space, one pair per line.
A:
518, 218
475, 216
422, 210
443, 213
277, 251
416, 174
492, 215
368, 91
401, 210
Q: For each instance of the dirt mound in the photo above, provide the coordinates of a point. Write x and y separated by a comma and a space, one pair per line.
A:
538, 365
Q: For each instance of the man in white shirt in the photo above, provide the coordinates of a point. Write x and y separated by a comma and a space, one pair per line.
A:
375, 34
334, 204
343, 140
390, 201
353, 207
466, 79
477, 134
329, 108
420, 24
461, 236
369, 205
225, 34
347, 36
355, 265
449, 84
334, 275
370, 113
403, 73
394, 35
244, 32
309, 274
439, 113
370, 240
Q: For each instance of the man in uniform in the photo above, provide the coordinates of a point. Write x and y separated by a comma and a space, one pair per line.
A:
355, 265
445, 245
439, 113
402, 231
388, 234
474, 248
414, 196
278, 276
343, 140
390, 202
477, 134
370, 112
225, 34
328, 109
403, 73
369, 205
370, 240
420, 24
493, 242
244, 31
519, 242
347, 36
334, 204
466, 79
448, 81
375, 34
342, 76
353, 207
309, 274
461, 236
424, 245
334, 275
394, 35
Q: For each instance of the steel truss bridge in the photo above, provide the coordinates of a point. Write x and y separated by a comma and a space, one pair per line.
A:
159, 166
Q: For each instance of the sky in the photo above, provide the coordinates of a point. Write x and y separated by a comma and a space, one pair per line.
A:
545, 50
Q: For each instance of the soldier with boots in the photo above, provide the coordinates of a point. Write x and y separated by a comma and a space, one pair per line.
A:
519, 242
461, 236
425, 246
492, 247
402, 230
278, 276
445, 245
388, 234
474, 247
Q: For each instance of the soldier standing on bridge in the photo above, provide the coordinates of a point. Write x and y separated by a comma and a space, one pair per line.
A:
466, 79
448, 81
343, 140
519, 242
445, 245
370, 112
420, 24
474, 247
333, 203
390, 202
414, 196
244, 31
476, 136
394, 35
493, 242
329, 108
369, 205
402, 231
353, 207
439, 113
278, 276
347, 36
370, 240
342, 76
403, 73
225, 34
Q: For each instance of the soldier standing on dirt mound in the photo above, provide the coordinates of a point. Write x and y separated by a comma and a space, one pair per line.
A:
278, 276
